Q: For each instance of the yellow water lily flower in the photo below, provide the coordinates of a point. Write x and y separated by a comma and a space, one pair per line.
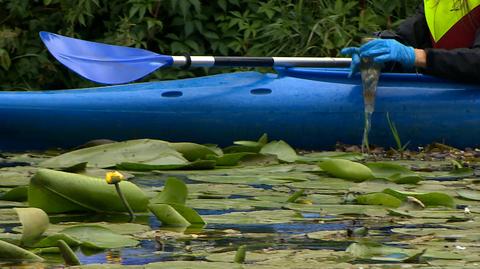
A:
114, 177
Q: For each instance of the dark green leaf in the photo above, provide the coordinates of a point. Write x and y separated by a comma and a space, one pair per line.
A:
18, 194
379, 199
98, 237
67, 253
346, 169
282, 150
10, 252
174, 192
57, 192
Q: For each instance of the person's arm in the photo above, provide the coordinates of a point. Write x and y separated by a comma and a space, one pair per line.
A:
461, 64
457, 64
420, 58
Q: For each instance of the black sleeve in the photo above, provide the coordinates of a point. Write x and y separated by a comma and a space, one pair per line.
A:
458, 64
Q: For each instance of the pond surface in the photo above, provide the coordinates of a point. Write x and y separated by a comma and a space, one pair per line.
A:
334, 223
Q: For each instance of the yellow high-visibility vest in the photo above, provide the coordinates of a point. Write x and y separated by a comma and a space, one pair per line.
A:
451, 23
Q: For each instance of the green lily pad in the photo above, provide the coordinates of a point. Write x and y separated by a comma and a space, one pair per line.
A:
379, 252
329, 235
58, 192
9, 204
196, 165
286, 258
16, 176
399, 179
428, 199
348, 210
236, 204
379, 198
282, 150
119, 228
247, 146
52, 241
98, 237
192, 151
232, 159
34, 221
346, 169
387, 170
191, 264
174, 192
176, 215
255, 217
254, 144
67, 254
326, 185
243, 179
169, 206
147, 151
469, 194
429, 214
226, 190
10, 252
18, 194
316, 157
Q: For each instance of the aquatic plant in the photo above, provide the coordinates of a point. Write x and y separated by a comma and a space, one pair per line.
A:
400, 147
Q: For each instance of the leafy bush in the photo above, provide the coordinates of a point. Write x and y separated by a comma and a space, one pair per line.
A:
173, 27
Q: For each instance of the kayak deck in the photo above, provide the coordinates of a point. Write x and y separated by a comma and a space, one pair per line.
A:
309, 108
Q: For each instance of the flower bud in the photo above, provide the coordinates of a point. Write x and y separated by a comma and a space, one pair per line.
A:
113, 177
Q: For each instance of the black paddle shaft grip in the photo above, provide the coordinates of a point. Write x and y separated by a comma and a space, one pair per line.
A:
244, 61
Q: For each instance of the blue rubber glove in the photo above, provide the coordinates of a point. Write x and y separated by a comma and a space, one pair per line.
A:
381, 51
354, 52
388, 50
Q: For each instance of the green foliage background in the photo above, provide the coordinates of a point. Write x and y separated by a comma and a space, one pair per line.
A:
174, 27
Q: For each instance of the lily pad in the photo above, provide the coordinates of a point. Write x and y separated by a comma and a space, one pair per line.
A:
387, 170
192, 151
316, 157
469, 194
347, 210
10, 252
148, 151
196, 165
192, 264
16, 176
176, 215
232, 159
379, 198
58, 192
346, 169
379, 252
174, 192
428, 199
255, 217
282, 150
98, 237
235, 204
34, 221
18, 194
52, 241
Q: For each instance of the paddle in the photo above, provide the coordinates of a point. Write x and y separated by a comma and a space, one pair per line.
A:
111, 64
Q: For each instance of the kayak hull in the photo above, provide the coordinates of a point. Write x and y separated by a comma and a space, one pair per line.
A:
308, 108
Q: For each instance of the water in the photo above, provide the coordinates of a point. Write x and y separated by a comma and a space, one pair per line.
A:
370, 74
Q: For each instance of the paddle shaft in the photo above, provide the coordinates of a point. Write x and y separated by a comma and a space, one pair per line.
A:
223, 61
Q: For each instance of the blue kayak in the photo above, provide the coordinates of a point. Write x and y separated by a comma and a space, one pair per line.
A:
309, 108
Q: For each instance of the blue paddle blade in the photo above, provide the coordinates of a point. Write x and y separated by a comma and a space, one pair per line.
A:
102, 63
